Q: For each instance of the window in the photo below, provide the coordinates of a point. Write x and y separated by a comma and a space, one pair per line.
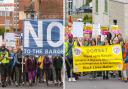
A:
70, 7
96, 6
106, 6
8, 13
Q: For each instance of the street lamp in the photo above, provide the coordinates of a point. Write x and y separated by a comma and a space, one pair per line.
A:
5, 20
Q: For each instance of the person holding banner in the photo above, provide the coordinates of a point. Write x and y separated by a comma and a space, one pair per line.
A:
86, 42
125, 57
69, 58
105, 73
117, 41
99, 42
93, 73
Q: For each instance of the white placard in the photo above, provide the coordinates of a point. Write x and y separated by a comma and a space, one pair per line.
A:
96, 30
78, 29
10, 39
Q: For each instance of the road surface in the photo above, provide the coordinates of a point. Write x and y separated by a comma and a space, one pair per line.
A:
96, 84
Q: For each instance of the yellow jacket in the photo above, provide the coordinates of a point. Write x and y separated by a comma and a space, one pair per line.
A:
5, 59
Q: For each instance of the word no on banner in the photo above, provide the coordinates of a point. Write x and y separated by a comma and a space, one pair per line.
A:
97, 58
43, 37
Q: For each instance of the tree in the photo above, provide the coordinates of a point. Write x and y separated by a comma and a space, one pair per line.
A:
2, 31
88, 1
87, 19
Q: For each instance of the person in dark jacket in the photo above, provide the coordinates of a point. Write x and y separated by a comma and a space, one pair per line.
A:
18, 66
30, 66
58, 63
46, 66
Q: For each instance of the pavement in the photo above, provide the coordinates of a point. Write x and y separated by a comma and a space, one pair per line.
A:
38, 86
96, 84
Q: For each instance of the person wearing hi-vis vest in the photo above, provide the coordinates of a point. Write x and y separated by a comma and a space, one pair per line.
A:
4, 60
69, 58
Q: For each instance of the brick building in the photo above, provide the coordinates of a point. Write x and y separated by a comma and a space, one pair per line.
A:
6, 14
43, 9
52, 9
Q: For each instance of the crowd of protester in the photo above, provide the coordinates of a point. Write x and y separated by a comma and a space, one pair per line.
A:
18, 69
70, 42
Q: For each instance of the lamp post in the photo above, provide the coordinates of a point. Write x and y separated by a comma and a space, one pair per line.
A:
16, 17
5, 19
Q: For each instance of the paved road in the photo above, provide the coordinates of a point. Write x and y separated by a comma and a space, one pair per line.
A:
39, 86
96, 84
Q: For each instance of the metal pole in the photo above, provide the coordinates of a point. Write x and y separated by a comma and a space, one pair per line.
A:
16, 16
5, 19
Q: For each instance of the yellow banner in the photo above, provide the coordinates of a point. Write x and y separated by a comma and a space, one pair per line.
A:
97, 58
90, 27
104, 28
115, 27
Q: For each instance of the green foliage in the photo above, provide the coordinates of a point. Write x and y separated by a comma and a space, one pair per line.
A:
87, 18
88, 1
2, 30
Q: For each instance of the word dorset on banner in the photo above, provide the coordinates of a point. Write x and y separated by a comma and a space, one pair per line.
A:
43, 37
97, 58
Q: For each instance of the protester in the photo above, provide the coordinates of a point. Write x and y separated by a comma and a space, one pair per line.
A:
114, 42
105, 73
93, 73
4, 60
125, 60
40, 69
99, 43
69, 59
18, 67
58, 63
11, 66
30, 64
46, 66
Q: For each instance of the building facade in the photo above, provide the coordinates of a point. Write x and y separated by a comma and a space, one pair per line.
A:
6, 14
72, 5
52, 9
111, 12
